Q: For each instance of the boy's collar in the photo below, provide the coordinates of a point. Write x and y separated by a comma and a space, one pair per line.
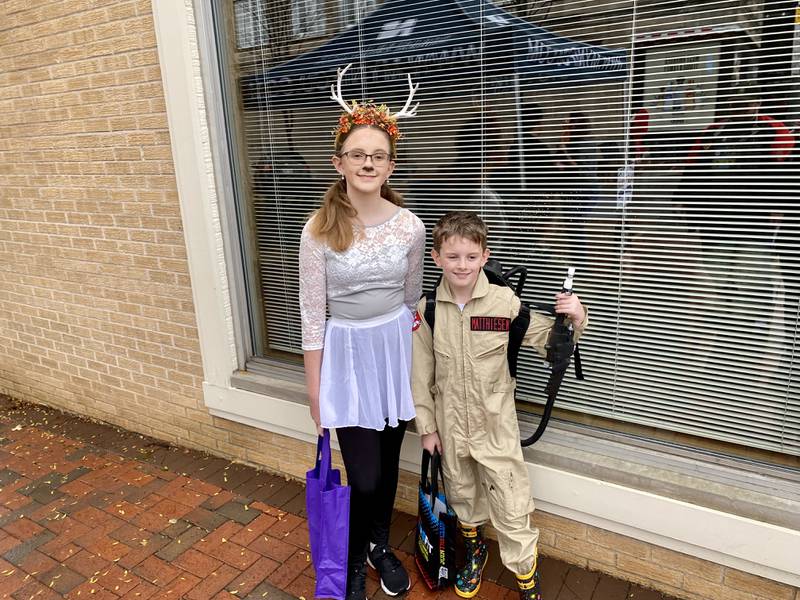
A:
479, 291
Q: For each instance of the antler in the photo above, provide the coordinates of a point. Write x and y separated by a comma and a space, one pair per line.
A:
405, 112
337, 95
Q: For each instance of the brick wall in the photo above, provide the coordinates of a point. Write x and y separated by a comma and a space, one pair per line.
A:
96, 313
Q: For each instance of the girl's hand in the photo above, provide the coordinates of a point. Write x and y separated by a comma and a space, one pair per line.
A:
315, 416
570, 305
313, 365
431, 441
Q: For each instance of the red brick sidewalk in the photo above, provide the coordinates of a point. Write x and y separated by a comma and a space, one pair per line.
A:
91, 511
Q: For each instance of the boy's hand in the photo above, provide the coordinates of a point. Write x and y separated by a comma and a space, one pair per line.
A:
570, 305
431, 441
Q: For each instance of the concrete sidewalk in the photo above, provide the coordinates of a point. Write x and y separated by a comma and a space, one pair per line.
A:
91, 511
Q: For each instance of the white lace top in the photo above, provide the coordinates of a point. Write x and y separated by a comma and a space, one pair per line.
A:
378, 273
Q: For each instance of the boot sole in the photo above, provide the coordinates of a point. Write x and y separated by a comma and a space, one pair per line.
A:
383, 587
474, 593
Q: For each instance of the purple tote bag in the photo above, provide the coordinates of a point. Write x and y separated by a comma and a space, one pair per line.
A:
328, 509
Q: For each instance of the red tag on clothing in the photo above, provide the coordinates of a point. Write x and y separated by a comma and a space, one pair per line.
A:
417, 321
489, 323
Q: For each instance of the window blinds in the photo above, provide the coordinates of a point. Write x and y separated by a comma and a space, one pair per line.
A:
649, 144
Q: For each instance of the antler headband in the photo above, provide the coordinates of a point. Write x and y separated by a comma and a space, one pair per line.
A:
369, 113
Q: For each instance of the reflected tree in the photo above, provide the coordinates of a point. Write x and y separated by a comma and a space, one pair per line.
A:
535, 11
279, 24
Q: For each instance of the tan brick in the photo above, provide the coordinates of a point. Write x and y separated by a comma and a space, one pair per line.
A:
688, 564
101, 80
649, 571
76, 71
711, 590
122, 10
568, 557
87, 67
585, 549
574, 529
113, 63
618, 542
244, 441
601, 567
547, 538
758, 586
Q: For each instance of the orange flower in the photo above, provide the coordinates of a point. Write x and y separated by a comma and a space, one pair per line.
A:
369, 114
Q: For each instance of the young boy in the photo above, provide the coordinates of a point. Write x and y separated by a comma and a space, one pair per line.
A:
464, 396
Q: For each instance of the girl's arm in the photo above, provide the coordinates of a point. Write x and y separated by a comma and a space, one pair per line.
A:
413, 283
313, 300
313, 365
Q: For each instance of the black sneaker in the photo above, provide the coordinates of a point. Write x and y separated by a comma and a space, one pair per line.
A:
393, 575
357, 583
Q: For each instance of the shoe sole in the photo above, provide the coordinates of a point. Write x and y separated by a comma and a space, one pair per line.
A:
383, 587
473, 593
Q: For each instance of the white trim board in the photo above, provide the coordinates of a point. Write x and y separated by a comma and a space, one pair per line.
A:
197, 190
722, 538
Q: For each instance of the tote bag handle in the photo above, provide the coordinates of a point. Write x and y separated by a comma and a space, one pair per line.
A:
434, 463
324, 459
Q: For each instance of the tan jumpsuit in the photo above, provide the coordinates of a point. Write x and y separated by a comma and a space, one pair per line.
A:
463, 390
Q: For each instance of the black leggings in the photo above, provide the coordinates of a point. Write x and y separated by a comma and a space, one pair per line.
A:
371, 459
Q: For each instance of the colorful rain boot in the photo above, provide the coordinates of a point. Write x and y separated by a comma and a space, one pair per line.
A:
529, 588
468, 579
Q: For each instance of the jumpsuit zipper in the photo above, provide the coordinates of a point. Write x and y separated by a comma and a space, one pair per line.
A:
464, 376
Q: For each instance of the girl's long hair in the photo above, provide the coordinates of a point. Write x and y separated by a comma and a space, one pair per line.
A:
333, 222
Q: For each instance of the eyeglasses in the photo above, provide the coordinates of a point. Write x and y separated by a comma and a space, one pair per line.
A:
357, 157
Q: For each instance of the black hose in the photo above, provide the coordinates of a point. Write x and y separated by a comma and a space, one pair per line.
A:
559, 347
553, 384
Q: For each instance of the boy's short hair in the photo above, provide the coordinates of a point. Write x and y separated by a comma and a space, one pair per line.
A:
461, 223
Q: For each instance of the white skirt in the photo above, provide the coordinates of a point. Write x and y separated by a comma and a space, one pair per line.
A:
366, 372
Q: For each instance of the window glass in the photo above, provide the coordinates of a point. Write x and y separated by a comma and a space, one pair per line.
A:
652, 145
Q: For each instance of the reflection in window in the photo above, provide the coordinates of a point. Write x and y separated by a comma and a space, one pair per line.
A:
679, 213
353, 11
251, 24
308, 18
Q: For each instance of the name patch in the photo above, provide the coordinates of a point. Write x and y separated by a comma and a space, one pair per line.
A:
489, 323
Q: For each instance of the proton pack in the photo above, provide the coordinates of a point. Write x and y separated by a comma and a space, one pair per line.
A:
560, 345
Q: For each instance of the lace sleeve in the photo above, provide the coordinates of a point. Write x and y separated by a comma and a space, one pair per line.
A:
413, 283
313, 297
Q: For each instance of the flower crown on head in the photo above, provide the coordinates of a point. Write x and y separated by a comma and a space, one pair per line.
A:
370, 113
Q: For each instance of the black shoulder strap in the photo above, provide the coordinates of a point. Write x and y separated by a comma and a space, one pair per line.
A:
516, 332
576, 361
430, 308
